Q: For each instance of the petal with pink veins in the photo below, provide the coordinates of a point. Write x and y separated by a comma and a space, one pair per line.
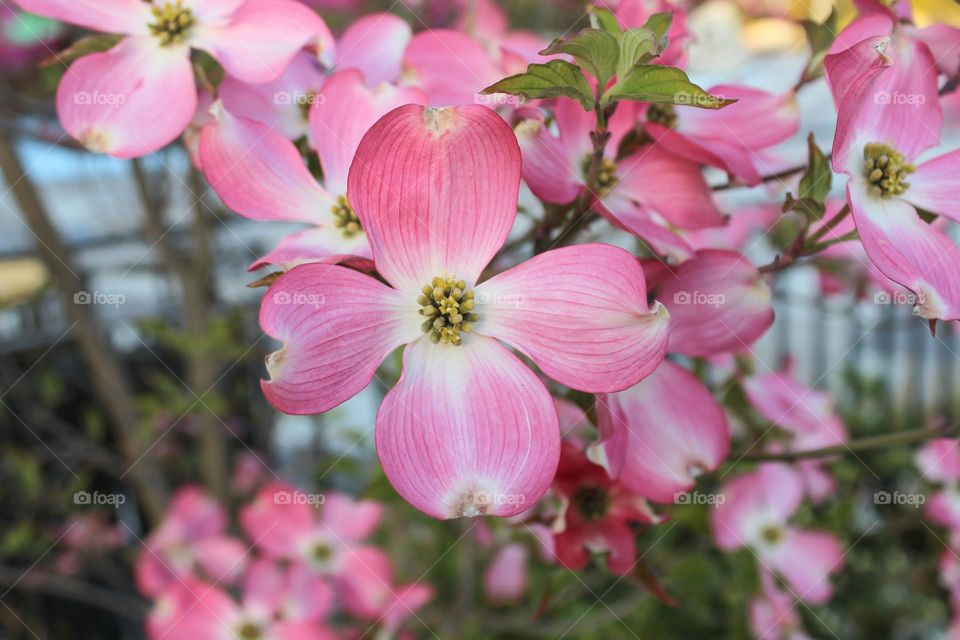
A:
111, 16
547, 168
580, 313
660, 435
105, 99
805, 560
260, 38
935, 186
374, 44
336, 326
718, 303
343, 112
319, 244
909, 251
452, 223
259, 173
468, 430
737, 123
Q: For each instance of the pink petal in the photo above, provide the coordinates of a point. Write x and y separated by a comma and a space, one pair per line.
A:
944, 43
468, 430
679, 193
105, 99
319, 244
374, 44
343, 112
873, 20
939, 460
278, 104
718, 303
943, 508
223, 559
935, 187
301, 630
351, 520
259, 173
663, 433
661, 240
547, 168
505, 579
806, 559
909, 251
112, 16
732, 158
453, 223
436, 56
580, 313
260, 39
332, 342
366, 583
852, 74
808, 414
770, 495
215, 10
275, 522
737, 123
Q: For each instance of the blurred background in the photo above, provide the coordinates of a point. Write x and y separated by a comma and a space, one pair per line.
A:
130, 356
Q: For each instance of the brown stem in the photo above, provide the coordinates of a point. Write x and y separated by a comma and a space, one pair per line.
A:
863, 444
107, 374
804, 247
780, 175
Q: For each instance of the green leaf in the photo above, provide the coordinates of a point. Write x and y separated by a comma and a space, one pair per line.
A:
80, 48
594, 50
604, 19
551, 80
819, 37
812, 209
816, 181
636, 46
659, 24
656, 83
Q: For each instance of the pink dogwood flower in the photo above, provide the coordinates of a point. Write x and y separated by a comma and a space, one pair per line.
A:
644, 193
468, 429
773, 614
595, 514
190, 542
755, 513
278, 603
505, 579
885, 89
939, 461
660, 435
141, 94
260, 174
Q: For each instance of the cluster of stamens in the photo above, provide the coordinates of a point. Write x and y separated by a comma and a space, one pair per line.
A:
448, 307
172, 21
591, 501
606, 176
886, 170
663, 114
345, 219
772, 534
249, 631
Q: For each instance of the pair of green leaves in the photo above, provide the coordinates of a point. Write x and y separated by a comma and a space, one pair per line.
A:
814, 185
605, 51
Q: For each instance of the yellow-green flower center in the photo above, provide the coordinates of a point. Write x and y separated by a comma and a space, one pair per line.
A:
249, 631
886, 170
772, 534
606, 177
448, 307
591, 501
663, 114
171, 23
345, 218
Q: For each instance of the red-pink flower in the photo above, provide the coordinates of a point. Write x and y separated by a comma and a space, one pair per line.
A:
596, 514
469, 429
884, 84
260, 174
191, 541
755, 513
141, 94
